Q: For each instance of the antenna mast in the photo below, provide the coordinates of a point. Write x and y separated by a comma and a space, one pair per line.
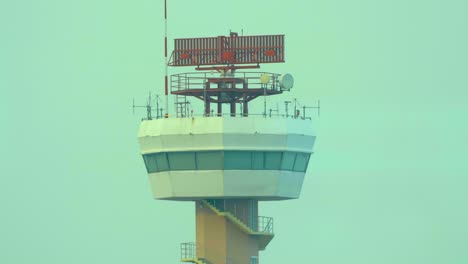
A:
165, 62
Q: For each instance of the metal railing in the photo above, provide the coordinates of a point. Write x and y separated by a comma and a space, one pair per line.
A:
264, 224
213, 114
188, 250
198, 80
218, 204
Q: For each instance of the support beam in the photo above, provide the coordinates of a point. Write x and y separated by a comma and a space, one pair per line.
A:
206, 98
246, 108
233, 108
220, 108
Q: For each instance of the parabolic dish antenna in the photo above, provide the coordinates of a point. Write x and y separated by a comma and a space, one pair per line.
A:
286, 82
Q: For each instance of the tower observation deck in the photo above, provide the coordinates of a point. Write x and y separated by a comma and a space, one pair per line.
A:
227, 162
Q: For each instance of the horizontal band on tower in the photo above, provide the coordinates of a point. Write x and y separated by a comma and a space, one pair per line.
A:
227, 160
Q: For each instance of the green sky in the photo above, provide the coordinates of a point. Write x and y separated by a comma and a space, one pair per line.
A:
387, 183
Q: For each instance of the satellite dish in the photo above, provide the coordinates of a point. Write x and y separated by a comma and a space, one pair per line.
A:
286, 82
264, 78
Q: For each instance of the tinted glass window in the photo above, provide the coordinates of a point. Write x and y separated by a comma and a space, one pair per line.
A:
237, 160
301, 162
288, 160
161, 162
210, 160
228, 160
258, 160
272, 160
181, 160
150, 162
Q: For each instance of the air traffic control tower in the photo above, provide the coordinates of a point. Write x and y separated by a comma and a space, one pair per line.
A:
226, 162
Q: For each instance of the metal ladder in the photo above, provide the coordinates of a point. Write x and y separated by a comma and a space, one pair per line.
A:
181, 105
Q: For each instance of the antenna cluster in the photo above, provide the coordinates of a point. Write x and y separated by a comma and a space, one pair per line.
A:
297, 109
152, 105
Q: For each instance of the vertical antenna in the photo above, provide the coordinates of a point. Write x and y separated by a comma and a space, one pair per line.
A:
286, 103
295, 107
157, 106
165, 61
149, 108
264, 101
318, 108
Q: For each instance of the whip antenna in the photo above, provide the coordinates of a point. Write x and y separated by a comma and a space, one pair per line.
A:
165, 62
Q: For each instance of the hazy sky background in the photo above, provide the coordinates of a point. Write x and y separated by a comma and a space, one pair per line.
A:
388, 181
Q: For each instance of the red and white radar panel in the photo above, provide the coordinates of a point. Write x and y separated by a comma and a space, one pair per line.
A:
228, 50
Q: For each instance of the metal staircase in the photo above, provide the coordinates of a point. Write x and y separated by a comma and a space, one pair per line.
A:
263, 229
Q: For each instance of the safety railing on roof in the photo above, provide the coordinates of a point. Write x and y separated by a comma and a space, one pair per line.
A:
300, 116
251, 80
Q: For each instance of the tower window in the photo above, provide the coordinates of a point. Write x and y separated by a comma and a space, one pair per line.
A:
273, 160
258, 160
301, 162
227, 160
288, 161
150, 162
162, 162
210, 160
237, 160
181, 160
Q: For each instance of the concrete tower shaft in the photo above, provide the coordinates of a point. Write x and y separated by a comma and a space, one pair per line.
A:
227, 231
